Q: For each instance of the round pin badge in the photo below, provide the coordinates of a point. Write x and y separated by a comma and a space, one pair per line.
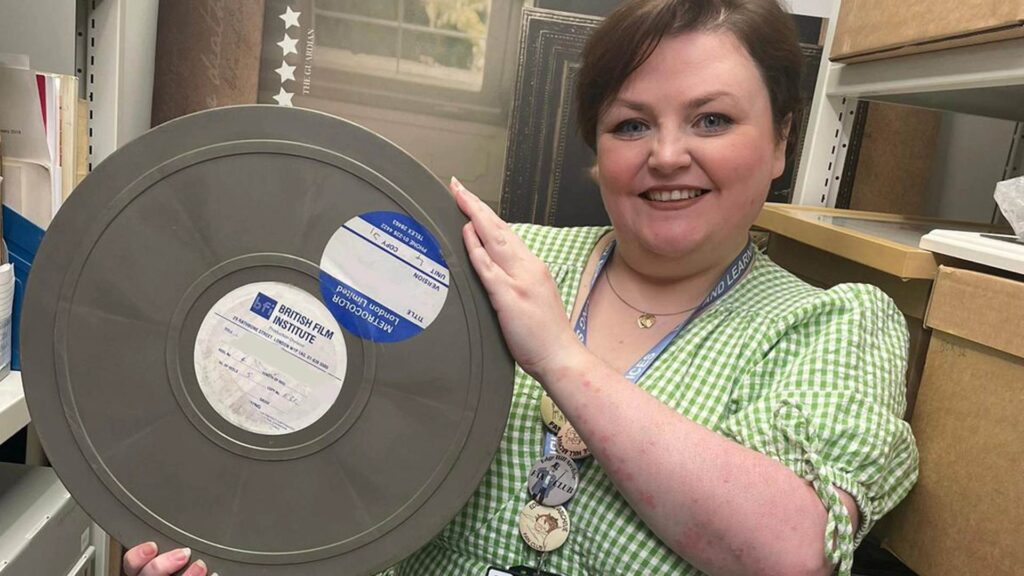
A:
544, 528
550, 414
571, 445
553, 480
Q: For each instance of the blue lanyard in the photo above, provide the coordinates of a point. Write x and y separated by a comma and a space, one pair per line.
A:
730, 278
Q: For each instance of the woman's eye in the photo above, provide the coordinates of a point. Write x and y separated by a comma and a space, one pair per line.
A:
630, 128
714, 122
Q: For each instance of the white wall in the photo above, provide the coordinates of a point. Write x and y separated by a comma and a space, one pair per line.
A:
970, 157
43, 29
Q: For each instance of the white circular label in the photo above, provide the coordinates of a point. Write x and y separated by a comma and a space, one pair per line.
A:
383, 277
270, 358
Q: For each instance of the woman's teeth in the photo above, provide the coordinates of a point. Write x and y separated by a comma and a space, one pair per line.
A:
670, 195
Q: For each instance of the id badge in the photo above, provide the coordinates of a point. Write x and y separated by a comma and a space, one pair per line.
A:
517, 571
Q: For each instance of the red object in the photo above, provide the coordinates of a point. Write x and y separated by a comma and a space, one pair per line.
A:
41, 82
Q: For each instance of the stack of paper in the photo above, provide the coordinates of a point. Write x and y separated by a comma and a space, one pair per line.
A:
6, 310
38, 123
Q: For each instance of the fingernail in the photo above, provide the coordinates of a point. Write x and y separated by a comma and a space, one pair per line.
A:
183, 554
458, 184
199, 567
149, 549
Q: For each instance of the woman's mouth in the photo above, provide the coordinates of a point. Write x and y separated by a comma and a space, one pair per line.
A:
673, 195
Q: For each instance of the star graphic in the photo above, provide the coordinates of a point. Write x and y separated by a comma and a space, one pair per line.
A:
290, 17
286, 72
284, 98
288, 45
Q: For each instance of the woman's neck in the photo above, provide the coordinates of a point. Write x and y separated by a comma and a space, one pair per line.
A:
665, 283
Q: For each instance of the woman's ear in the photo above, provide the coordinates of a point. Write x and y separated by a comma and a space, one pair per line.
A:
594, 174
779, 158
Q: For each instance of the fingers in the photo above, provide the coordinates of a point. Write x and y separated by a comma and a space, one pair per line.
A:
198, 568
137, 558
167, 563
474, 208
143, 561
479, 257
493, 233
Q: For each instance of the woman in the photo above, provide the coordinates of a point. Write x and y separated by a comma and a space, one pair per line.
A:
740, 421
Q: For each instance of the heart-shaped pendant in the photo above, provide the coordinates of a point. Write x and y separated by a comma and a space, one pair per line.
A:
645, 320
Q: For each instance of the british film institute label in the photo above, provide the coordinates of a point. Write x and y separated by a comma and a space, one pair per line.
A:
270, 358
383, 276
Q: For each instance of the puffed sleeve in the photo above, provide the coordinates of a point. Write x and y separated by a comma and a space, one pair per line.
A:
827, 401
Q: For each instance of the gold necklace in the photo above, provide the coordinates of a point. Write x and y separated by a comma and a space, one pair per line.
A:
646, 319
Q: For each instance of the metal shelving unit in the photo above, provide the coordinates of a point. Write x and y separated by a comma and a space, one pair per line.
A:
830, 124
110, 46
120, 43
984, 79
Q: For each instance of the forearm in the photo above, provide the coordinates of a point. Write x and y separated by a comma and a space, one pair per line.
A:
725, 508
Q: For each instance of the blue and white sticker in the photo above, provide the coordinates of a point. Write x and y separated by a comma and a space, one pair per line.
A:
383, 277
270, 358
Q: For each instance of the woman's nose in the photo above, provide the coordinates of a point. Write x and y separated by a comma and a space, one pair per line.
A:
670, 151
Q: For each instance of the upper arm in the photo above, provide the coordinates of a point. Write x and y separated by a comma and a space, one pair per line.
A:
828, 402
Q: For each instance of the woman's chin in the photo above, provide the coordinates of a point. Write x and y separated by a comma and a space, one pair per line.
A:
673, 244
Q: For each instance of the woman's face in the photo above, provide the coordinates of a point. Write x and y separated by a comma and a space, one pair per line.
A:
686, 152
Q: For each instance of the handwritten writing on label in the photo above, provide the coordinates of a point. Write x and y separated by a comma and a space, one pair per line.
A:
269, 359
383, 276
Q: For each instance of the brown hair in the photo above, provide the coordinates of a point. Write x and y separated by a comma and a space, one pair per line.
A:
549, 520
630, 34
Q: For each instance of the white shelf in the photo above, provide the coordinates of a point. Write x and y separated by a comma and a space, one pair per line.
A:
974, 247
13, 410
984, 79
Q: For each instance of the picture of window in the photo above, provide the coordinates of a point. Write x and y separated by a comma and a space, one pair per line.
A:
442, 42
439, 58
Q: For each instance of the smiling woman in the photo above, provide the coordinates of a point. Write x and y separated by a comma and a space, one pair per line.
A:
744, 422
684, 171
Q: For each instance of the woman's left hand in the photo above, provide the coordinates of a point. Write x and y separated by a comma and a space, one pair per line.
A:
520, 288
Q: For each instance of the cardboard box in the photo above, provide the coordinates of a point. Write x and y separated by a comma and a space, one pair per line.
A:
876, 29
964, 515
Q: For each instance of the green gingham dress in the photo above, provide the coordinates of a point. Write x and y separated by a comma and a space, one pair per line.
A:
812, 378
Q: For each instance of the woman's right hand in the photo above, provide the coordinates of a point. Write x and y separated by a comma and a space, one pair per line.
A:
142, 560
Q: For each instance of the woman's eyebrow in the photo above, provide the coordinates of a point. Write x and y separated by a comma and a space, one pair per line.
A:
630, 104
705, 99
692, 104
